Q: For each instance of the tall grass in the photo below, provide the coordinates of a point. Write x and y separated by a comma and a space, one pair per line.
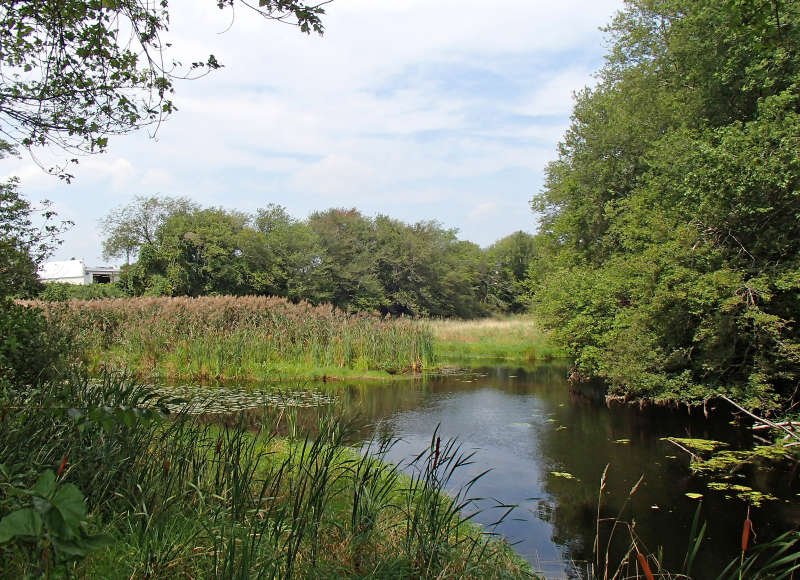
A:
516, 338
774, 558
239, 338
187, 497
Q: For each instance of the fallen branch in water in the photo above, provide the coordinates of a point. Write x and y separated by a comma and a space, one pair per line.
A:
768, 423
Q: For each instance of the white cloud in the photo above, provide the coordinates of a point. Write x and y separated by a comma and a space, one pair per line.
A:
482, 211
426, 102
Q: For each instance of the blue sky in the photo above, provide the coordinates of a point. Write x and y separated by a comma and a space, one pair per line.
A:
418, 109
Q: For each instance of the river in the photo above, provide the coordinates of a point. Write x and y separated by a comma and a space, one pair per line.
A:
547, 445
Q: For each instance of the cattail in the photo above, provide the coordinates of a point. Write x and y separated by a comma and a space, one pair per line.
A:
436, 454
3, 418
746, 529
62, 466
645, 566
166, 466
219, 445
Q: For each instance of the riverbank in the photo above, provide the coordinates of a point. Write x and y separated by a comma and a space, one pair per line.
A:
261, 339
510, 339
239, 338
106, 487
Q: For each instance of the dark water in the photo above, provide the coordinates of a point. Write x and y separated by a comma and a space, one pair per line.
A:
526, 425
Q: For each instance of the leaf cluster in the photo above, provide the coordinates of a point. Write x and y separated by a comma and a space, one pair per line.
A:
74, 72
670, 219
337, 256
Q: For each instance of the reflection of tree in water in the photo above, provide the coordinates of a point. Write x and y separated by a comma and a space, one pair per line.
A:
583, 435
571, 431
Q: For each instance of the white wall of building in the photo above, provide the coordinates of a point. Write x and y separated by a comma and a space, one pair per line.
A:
74, 272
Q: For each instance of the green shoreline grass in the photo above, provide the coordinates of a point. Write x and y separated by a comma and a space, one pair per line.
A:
124, 493
260, 339
512, 339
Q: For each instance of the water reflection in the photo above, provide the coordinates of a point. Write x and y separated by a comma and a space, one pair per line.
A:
547, 446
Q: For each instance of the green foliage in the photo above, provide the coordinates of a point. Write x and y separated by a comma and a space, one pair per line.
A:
670, 220
196, 497
23, 245
75, 72
30, 348
238, 338
508, 261
129, 227
61, 291
47, 520
337, 256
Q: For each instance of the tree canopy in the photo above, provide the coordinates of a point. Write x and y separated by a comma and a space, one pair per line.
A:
74, 72
672, 211
23, 244
337, 256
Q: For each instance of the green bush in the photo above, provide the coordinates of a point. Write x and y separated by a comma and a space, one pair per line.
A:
30, 349
61, 291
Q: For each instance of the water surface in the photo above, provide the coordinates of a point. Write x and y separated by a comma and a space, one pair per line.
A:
547, 446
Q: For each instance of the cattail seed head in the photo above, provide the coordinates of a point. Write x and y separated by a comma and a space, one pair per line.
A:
645, 566
746, 529
62, 465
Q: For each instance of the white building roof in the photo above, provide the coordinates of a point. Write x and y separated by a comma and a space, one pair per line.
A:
62, 269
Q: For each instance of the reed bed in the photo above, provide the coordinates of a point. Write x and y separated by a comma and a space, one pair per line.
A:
96, 483
239, 338
516, 338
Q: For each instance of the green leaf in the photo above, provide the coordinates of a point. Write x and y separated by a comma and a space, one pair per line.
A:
72, 548
24, 522
70, 503
45, 485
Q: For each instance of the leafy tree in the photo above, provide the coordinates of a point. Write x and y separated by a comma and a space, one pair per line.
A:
129, 227
284, 257
197, 252
347, 240
74, 72
508, 261
28, 347
670, 217
23, 245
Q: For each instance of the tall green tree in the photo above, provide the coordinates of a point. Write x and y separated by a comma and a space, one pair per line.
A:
671, 213
507, 264
128, 228
195, 253
24, 244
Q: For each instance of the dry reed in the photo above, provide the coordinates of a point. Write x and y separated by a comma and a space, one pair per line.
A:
251, 337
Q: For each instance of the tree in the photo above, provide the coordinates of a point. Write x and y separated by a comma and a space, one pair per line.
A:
285, 257
671, 214
23, 245
130, 227
74, 72
29, 348
194, 253
347, 240
508, 261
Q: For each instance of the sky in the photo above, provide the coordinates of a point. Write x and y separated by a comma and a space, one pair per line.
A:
445, 110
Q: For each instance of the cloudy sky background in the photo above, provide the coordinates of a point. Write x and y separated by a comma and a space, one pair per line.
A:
417, 109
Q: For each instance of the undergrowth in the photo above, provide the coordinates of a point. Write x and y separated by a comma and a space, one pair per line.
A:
97, 481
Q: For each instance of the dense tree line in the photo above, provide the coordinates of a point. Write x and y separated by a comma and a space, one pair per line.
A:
337, 256
669, 261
